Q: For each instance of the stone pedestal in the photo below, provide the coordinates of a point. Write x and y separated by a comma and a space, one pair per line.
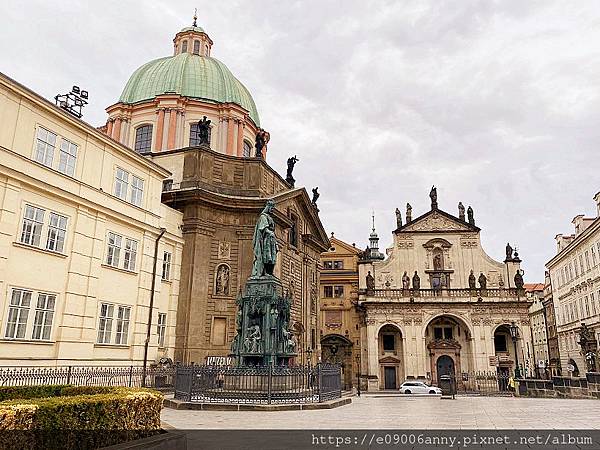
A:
263, 335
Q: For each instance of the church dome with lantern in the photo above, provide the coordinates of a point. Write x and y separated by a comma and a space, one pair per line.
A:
164, 99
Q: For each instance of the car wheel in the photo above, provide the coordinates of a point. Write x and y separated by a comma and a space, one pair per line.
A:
432, 392
407, 391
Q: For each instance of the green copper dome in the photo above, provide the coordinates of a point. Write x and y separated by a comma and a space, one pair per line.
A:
194, 76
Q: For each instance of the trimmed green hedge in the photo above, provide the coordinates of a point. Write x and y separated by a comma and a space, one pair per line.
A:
128, 413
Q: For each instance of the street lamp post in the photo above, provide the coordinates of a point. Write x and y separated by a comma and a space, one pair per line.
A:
358, 375
514, 333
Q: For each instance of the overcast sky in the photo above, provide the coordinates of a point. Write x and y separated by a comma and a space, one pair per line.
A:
495, 102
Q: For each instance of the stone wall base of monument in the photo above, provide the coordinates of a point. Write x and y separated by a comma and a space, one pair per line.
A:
562, 387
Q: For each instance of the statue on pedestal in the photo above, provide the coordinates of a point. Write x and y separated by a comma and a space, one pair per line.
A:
509, 252
472, 281
470, 216
262, 138
461, 211
398, 218
291, 162
482, 281
264, 243
203, 131
316, 196
370, 281
405, 281
433, 197
519, 283
416, 281
408, 213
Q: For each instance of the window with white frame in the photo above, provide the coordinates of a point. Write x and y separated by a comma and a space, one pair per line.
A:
130, 254
33, 221
18, 313
105, 323
113, 252
121, 183
161, 329
57, 230
166, 266
67, 158
44, 314
137, 191
123, 314
44, 146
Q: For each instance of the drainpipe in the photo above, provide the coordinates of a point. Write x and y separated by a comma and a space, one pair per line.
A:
149, 326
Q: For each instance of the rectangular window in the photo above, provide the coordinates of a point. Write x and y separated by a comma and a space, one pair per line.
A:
57, 229
166, 266
593, 256
338, 291
18, 313
328, 264
587, 260
448, 333
137, 190
114, 249
576, 268
45, 145
33, 220
161, 329
68, 157
130, 254
438, 333
593, 302
123, 314
389, 343
587, 307
121, 183
143, 139
581, 264
219, 330
44, 314
328, 291
105, 323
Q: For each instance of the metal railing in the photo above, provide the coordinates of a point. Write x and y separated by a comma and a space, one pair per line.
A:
130, 376
483, 383
258, 385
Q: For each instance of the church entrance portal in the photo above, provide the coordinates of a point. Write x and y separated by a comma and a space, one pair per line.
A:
445, 366
390, 377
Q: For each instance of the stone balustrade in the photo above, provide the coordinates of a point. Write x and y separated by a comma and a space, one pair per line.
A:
449, 295
562, 387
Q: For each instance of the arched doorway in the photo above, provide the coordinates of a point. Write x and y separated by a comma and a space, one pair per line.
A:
337, 349
390, 349
573, 369
507, 351
449, 344
445, 366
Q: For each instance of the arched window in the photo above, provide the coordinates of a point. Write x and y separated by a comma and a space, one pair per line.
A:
194, 137
196, 47
184, 47
247, 150
143, 139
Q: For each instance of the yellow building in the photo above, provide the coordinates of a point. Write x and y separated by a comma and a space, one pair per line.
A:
341, 323
80, 215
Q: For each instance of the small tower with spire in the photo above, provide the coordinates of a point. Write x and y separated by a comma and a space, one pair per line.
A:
374, 242
193, 40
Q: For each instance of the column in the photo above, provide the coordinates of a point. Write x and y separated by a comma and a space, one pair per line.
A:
159, 130
172, 129
230, 125
372, 354
117, 130
240, 137
109, 127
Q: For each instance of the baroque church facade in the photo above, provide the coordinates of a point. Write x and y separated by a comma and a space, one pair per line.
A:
438, 304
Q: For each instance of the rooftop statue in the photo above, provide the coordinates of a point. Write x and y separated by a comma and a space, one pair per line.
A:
519, 283
470, 216
203, 131
408, 213
509, 252
316, 195
433, 197
262, 138
264, 243
482, 281
461, 211
291, 162
398, 218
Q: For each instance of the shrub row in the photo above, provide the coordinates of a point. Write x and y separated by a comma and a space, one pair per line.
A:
61, 416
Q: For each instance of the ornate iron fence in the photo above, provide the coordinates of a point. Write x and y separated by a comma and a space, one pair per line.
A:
258, 384
162, 378
483, 383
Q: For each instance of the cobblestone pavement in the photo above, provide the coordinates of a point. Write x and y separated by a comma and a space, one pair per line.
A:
401, 412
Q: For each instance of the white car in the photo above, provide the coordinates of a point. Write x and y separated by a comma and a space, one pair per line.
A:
418, 387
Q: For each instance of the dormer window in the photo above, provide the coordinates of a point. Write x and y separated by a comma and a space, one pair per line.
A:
184, 47
196, 47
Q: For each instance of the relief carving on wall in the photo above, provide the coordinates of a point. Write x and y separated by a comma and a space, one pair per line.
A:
224, 251
405, 242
